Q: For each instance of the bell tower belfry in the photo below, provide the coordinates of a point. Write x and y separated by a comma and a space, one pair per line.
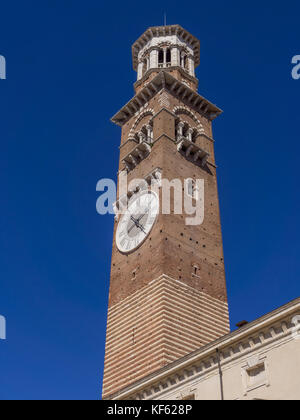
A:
167, 286
166, 47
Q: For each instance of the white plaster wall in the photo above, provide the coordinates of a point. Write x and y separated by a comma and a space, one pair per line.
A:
282, 360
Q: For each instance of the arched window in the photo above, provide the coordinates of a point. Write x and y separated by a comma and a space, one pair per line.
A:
145, 134
144, 66
185, 130
185, 61
136, 137
194, 136
168, 57
161, 57
144, 131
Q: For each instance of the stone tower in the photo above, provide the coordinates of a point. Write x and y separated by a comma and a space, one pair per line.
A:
167, 291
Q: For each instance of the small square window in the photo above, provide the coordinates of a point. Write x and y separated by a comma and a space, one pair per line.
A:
256, 375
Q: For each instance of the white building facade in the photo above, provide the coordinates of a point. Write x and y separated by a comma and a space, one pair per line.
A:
260, 361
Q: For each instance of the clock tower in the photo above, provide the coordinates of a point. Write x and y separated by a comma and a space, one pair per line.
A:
167, 287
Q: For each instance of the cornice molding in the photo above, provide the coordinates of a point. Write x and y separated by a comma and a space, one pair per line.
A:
182, 71
175, 87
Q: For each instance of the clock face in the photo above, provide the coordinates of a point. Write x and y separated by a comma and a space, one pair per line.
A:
136, 224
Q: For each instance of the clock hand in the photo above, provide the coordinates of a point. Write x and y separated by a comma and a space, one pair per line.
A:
141, 227
133, 219
134, 224
137, 223
141, 216
146, 211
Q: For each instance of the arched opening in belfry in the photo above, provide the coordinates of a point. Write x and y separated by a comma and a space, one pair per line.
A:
168, 57
185, 63
185, 129
144, 66
184, 60
160, 58
144, 132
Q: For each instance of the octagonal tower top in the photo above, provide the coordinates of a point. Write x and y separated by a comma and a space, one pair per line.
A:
165, 47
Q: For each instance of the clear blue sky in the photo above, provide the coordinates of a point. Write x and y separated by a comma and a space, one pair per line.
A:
68, 71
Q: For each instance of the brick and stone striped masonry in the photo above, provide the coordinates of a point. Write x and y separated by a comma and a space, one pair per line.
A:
158, 324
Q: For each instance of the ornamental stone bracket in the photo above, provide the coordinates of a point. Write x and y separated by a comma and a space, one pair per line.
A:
139, 153
192, 152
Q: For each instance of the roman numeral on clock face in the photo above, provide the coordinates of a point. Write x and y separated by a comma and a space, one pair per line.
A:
122, 233
123, 242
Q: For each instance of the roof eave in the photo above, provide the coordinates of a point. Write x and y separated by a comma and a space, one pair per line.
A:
175, 87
